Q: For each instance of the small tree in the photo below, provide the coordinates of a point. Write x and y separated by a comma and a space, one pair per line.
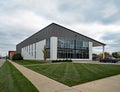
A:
44, 53
100, 56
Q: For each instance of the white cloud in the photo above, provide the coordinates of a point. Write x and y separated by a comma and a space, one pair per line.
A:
25, 19
109, 10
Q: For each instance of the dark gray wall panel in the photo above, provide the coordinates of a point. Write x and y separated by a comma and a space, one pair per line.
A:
57, 31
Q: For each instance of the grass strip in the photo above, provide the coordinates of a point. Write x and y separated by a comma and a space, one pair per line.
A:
11, 80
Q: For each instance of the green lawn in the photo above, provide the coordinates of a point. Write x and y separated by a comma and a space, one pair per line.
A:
11, 80
28, 62
76, 73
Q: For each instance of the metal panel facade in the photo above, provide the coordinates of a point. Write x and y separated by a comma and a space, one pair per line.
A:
55, 30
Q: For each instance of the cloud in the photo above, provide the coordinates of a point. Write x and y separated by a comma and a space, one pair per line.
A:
98, 19
92, 11
109, 11
113, 41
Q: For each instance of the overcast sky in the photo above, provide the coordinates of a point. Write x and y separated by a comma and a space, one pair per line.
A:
98, 19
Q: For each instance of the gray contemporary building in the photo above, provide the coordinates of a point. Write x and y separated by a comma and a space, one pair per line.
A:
60, 42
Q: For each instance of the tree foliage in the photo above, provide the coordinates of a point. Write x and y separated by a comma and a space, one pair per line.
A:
106, 54
44, 53
116, 54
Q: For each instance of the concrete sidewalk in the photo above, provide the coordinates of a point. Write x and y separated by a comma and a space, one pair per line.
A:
45, 84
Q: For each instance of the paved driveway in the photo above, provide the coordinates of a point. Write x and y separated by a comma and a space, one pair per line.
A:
2, 62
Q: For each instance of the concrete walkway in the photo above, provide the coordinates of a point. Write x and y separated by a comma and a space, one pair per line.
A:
2, 62
109, 84
45, 84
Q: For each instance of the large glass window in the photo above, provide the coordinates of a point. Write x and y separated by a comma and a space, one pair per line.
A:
69, 48
48, 47
79, 44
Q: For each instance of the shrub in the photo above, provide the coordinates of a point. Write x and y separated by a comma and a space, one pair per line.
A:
17, 57
62, 61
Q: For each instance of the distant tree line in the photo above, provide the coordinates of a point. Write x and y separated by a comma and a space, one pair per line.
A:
106, 54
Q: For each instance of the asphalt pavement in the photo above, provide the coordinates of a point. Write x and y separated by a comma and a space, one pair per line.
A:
2, 62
